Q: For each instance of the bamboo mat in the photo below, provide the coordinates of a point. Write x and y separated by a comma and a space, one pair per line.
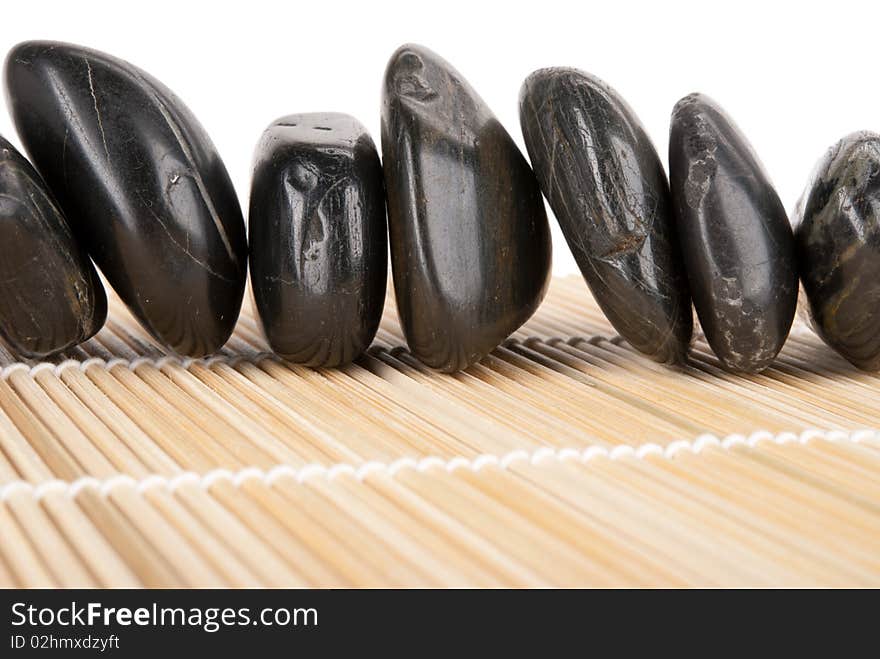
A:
564, 458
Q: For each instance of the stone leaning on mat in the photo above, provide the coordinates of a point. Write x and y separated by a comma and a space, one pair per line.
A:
736, 241
133, 181
607, 188
470, 242
142, 186
50, 296
838, 243
318, 239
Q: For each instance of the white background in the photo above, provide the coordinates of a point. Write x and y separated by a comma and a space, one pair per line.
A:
795, 76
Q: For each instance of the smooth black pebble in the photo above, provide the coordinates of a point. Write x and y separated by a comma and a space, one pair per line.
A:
470, 243
736, 239
318, 238
606, 186
141, 185
51, 297
837, 233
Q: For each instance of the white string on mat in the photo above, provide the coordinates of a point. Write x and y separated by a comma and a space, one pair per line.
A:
184, 362
237, 478
229, 360
133, 364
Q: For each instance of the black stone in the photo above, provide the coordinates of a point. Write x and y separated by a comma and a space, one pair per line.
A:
735, 236
837, 234
318, 238
470, 243
50, 295
141, 186
607, 188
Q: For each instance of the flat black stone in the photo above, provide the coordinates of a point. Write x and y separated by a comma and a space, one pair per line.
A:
318, 238
50, 295
470, 243
141, 185
607, 188
837, 234
735, 236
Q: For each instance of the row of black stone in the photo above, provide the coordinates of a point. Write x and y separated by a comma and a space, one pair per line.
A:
129, 179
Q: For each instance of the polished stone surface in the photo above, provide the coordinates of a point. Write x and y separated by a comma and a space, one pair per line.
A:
470, 243
141, 185
318, 238
736, 240
607, 188
837, 234
50, 295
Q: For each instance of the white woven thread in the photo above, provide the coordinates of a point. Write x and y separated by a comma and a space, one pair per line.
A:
132, 364
231, 360
271, 476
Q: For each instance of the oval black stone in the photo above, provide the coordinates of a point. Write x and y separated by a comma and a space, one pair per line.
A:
318, 238
141, 184
607, 188
470, 243
50, 295
837, 234
735, 236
